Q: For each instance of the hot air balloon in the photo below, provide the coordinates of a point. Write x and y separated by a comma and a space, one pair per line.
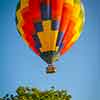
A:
50, 27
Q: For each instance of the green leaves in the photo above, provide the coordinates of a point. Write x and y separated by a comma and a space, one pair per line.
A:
26, 93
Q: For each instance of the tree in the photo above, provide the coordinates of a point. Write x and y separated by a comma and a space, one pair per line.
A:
26, 93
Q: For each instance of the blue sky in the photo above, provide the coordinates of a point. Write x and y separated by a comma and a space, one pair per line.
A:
78, 71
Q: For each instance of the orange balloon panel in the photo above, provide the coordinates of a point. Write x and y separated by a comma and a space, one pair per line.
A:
34, 6
67, 10
56, 9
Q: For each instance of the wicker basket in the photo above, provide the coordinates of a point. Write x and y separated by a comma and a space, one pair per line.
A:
51, 69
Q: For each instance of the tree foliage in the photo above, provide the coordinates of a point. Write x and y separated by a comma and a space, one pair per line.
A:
26, 93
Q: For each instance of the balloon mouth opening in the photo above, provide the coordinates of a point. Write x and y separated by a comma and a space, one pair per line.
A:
51, 69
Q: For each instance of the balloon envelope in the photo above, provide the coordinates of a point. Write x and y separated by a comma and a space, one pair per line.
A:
50, 27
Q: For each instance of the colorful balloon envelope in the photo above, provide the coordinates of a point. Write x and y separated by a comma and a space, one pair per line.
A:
50, 27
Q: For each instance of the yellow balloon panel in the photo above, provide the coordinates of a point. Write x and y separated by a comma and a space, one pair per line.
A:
20, 23
24, 3
69, 1
76, 10
48, 37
